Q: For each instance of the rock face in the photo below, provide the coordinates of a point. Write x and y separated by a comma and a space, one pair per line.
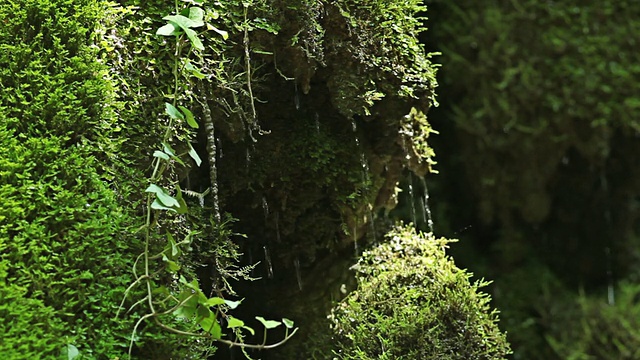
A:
339, 116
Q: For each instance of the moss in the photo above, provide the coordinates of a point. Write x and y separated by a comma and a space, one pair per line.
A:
412, 302
591, 328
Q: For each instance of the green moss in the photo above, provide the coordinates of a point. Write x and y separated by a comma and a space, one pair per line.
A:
412, 302
590, 328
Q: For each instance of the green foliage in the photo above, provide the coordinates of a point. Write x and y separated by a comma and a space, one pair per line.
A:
62, 226
588, 328
385, 57
529, 82
179, 305
412, 302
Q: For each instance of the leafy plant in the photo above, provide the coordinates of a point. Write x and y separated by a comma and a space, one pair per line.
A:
181, 299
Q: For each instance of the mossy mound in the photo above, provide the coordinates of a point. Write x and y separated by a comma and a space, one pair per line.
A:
412, 302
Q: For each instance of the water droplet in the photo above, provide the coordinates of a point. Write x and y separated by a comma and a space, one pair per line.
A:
265, 208
296, 98
317, 117
267, 259
219, 148
248, 159
277, 216
296, 264
355, 240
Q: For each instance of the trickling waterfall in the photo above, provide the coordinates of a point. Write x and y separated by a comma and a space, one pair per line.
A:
296, 264
248, 163
411, 199
372, 222
426, 210
267, 259
220, 154
211, 150
611, 298
277, 217
365, 179
267, 255
296, 98
355, 239
265, 208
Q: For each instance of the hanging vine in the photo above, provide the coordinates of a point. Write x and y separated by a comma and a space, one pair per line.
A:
183, 299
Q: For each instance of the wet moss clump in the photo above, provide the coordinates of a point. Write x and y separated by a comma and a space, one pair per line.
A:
412, 302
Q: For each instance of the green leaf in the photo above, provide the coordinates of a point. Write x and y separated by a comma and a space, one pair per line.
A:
157, 205
171, 265
234, 323
196, 14
193, 37
163, 195
161, 155
188, 309
173, 112
214, 301
249, 330
288, 323
182, 208
183, 22
71, 352
194, 70
210, 325
224, 34
175, 250
168, 30
269, 324
168, 149
232, 304
189, 117
194, 155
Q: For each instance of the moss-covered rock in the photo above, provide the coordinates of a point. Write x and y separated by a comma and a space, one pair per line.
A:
412, 302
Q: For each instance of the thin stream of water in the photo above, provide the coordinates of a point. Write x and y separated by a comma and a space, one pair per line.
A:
267, 259
611, 296
426, 210
411, 198
296, 264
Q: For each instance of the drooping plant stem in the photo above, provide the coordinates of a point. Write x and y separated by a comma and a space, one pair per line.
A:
209, 129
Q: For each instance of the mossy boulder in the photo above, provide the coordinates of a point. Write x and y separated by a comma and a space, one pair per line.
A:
412, 302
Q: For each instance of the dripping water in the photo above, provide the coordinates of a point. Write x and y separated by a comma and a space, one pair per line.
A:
611, 299
424, 213
296, 264
317, 117
365, 179
265, 208
220, 154
267, 255
267, 259
413, 205
373, 225
355, 240
248, 159
277, 217
426, 210
296, 98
